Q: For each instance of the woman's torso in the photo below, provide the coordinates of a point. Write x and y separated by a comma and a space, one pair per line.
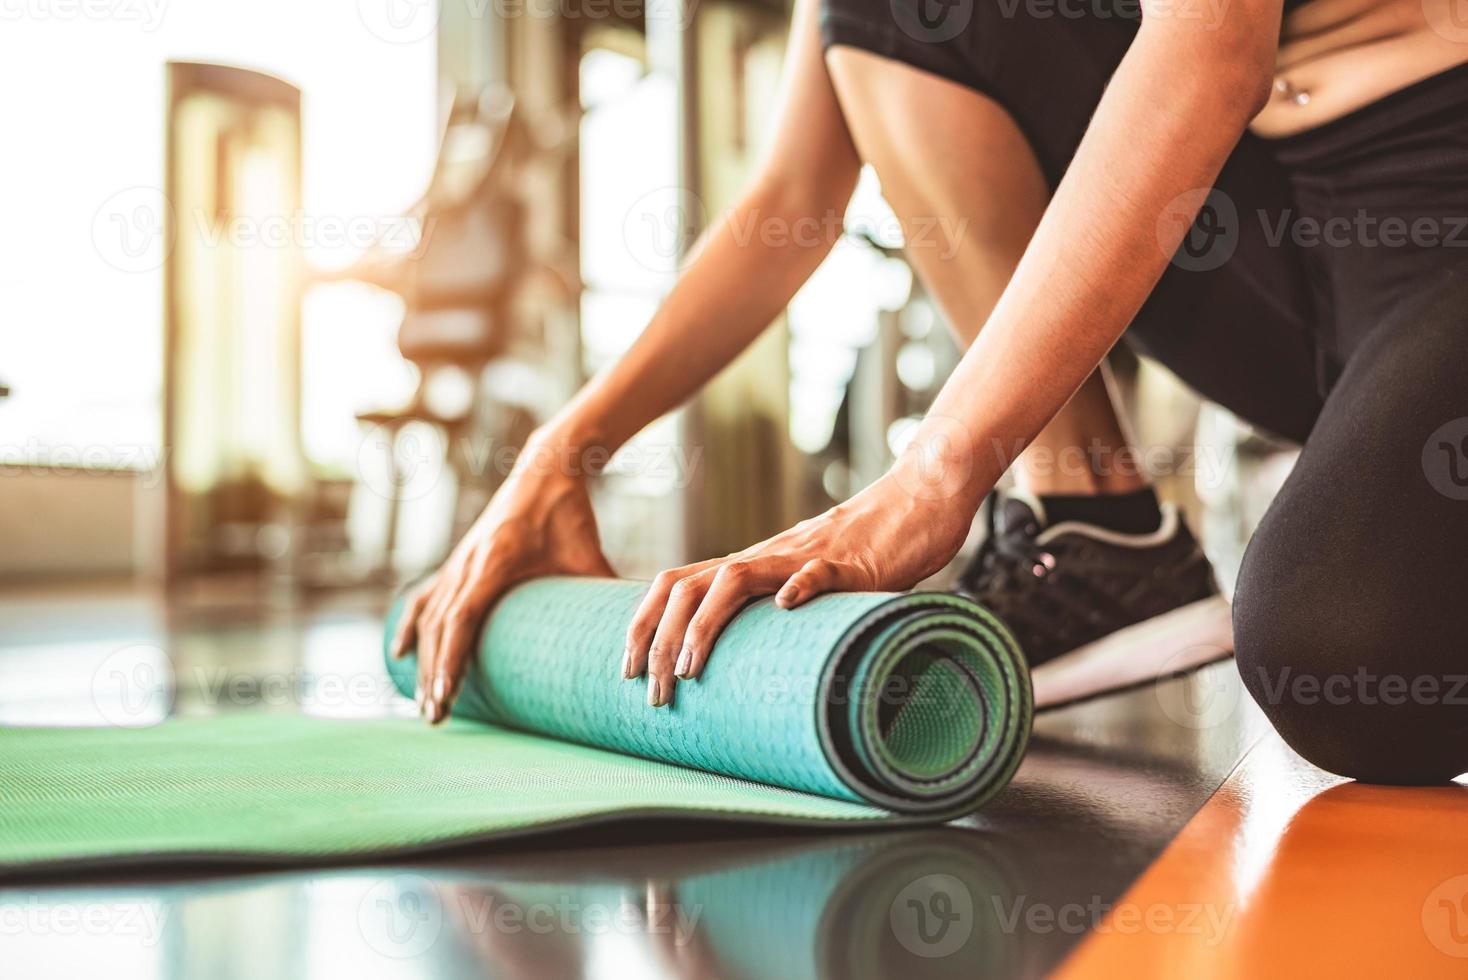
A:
1336, 56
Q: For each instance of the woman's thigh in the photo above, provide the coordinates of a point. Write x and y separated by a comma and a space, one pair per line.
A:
1351, 613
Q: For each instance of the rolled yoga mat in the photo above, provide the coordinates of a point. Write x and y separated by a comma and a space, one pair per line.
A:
853, 709
916, 703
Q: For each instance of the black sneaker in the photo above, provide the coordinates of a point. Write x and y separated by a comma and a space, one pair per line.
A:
1096, 611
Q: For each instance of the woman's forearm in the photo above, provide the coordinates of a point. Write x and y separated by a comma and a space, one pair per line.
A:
1173, 112
745, 268
741, 274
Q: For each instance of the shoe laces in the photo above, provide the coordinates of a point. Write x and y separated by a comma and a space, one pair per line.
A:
1011, 563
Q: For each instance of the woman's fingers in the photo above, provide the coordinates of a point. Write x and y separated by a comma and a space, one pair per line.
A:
815, 577
407, 630
431, 627
429, 621
649, 614
686, 609
735, 583
462, 620
667, 641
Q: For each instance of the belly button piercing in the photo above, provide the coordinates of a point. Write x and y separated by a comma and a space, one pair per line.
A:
1298, 96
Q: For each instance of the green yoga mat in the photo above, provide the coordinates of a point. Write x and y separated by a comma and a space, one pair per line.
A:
855, 708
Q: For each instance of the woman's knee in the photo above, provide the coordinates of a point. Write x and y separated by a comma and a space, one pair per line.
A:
1356, 687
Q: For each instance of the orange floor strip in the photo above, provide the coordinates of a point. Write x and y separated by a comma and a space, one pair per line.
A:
1290, 872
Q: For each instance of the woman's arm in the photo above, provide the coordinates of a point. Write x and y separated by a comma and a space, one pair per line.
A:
1177, 105
540, 521
1171, 115
744, 269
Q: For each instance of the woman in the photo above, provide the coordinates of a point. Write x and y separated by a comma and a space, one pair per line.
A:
1320, 295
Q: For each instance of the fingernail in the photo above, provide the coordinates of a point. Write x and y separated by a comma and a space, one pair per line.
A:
685, 661
421, 702
434, 711
627, 663
654, 694
441, 688
789, 595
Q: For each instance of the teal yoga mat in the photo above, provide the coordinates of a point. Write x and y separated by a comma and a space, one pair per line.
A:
916, 703
856, 709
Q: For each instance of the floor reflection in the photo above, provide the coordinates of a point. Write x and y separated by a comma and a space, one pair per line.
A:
918, 904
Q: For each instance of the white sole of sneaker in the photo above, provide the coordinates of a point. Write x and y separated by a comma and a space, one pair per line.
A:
1176, 642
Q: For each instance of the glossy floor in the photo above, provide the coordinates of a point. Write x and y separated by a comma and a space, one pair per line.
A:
1103, 818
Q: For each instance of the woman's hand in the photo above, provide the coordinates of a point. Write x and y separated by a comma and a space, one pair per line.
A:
540, 522
890, 536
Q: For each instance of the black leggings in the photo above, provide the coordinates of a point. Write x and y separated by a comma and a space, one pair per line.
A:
1322, 294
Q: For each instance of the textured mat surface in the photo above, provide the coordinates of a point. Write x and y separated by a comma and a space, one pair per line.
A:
855, 708
918, 703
